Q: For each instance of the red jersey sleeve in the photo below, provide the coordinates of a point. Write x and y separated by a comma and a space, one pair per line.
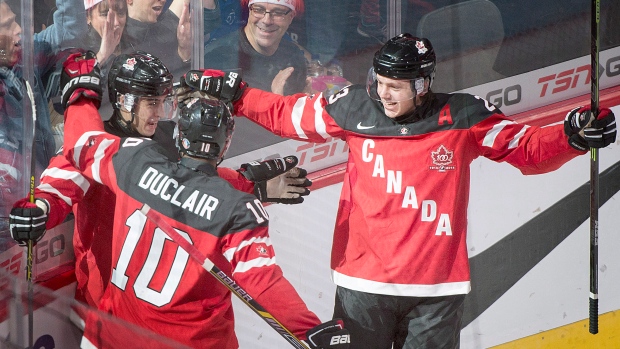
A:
236, 179
62, 186
299, 116
254, 267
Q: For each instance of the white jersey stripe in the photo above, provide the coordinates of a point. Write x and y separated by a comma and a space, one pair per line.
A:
489, 138
357, 284
319, 123
256, 240
77, 149
298, 110
73, 176
254, 263
515, 141
44, 187
99, 154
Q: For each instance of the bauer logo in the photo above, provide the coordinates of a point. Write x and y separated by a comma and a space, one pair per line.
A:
442, 159
341, 339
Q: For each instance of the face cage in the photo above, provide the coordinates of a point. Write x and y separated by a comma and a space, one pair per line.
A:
371, 86
169, 105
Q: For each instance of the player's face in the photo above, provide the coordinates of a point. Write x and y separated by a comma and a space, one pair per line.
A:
265, 33
145, 10
149, 111
396, 96
10, 37
98, 15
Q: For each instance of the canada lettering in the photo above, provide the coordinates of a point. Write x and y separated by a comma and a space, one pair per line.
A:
169, 189
427, 208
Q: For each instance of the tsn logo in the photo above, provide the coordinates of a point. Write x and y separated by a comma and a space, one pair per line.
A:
581, 75
319, 151
565, 80
340, 339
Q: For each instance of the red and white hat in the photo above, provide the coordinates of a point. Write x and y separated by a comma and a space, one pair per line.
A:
288, 3
90, 3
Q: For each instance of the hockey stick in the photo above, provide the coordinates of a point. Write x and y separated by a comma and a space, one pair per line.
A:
226, 280
31, 243
594, 169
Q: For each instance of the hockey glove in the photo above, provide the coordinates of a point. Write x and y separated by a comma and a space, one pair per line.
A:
288, 188
81, 77
329, 335
227, 87
277, 180
27, 221
584, 133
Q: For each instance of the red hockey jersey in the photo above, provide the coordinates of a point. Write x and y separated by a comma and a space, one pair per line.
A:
67, 190
402, 217
153, 281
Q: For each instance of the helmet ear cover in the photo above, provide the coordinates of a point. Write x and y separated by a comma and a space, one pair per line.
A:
205, 128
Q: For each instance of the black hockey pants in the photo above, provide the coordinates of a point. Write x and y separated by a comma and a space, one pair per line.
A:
378, 321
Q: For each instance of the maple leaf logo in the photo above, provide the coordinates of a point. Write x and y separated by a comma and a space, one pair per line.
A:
442, 156
420, 46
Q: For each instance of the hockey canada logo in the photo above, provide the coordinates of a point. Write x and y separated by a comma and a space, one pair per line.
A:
130, 63
420, 46
442, 159
261, 250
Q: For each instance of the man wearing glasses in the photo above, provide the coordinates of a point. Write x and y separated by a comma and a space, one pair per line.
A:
258, 51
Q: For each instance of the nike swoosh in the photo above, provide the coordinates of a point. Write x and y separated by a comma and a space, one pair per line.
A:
72, 71
360, 127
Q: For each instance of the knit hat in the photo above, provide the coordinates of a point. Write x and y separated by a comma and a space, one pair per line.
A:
288, 3
90, 3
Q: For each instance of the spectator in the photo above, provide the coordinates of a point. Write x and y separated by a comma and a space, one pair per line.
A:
106, 22
140, 88
151, 29
257, 50
69, 24
399, 257
188, 305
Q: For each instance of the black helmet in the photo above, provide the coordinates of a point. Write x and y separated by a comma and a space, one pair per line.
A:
139, 74
204, 129
405, 57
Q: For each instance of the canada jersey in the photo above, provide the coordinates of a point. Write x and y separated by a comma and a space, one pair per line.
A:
66, 189
402, 217
153, 283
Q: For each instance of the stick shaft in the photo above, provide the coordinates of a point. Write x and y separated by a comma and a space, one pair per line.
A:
227, 281
594, 170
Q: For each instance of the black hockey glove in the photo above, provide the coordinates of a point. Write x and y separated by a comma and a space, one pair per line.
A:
80, 77
329, 335
27, 221
277, 180
584, 133
227, 87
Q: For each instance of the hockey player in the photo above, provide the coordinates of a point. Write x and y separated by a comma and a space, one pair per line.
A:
399, 256
140, 89
154, 283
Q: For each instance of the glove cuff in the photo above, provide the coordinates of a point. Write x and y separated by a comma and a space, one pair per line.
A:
577, 142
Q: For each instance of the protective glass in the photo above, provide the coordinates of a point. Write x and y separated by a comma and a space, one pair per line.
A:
372, 84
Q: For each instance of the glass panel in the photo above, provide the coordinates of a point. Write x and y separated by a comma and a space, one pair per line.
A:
54, 319
519, 55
